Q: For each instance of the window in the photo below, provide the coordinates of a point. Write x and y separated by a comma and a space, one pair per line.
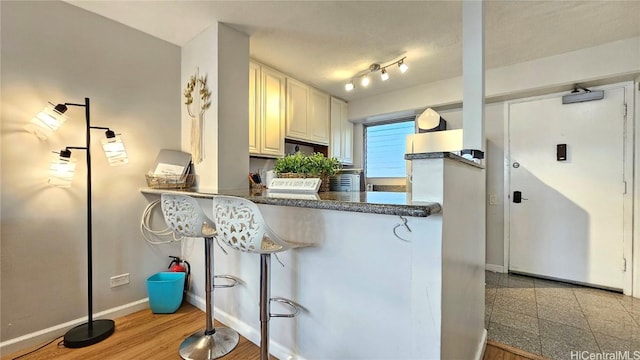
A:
385, 148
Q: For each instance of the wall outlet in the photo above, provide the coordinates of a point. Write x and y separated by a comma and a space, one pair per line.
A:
493, 199
119, 280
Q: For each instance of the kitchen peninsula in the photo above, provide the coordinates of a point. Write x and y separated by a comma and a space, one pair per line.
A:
372, 285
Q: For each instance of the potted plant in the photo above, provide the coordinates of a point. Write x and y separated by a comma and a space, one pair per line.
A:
304, 166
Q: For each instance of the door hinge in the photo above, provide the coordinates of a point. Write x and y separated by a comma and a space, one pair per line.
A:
624, 264
624, 110
624, 188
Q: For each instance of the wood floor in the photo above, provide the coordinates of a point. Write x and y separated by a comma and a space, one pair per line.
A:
144, 335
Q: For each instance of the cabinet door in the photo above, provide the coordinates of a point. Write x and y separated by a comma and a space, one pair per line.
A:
347, 136
341, 146
297, 110
272, 114
335, 146
318, 121
254, 108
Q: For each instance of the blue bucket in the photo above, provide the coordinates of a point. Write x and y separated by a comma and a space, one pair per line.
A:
165, 291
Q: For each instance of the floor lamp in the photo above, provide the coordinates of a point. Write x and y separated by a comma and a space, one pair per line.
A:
61, 173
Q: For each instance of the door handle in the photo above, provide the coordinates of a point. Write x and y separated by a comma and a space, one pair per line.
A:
517, 197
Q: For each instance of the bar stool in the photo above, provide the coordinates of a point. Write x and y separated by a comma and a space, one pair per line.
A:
241, 226
185, 216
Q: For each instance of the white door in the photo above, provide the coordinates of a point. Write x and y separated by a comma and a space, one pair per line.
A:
569, 223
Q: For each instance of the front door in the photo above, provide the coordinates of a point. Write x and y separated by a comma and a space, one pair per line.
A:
567, 189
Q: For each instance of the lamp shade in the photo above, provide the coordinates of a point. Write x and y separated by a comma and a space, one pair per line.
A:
61, 169
47, 121
114, 150
429, 119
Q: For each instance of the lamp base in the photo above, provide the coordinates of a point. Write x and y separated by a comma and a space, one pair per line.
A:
81, 335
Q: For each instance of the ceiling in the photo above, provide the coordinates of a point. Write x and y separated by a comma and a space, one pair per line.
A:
326, 43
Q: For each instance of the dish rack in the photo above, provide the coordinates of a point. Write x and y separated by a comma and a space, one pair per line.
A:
170, 181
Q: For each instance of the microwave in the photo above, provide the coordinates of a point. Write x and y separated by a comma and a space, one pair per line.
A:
345, 182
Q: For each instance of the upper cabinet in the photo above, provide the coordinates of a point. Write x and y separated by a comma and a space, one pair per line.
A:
319, 117
297, 109
307, 113
266, 111
341, 132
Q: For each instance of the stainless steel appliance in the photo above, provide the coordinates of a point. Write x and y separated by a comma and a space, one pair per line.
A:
345, 182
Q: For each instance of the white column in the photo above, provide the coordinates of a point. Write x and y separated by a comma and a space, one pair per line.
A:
473, 74
222, 54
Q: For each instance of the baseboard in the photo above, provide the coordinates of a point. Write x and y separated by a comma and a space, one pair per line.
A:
276, 349
515, 351
44, 335
494, 268
481, 346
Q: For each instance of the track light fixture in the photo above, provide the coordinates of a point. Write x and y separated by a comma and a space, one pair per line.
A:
402, 66
384, 75
365, 80
349, 86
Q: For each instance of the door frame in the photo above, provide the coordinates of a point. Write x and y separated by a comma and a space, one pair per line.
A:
629, 240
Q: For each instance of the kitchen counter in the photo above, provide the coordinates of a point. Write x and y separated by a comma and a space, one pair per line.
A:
442, 155
374, 202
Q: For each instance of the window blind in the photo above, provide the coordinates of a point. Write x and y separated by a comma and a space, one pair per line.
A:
385, 148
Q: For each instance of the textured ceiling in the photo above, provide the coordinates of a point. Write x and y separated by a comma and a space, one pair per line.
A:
325, 43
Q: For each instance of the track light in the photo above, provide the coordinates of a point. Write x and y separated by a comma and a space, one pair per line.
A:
365, 80
349, 86
403, 67
384, 75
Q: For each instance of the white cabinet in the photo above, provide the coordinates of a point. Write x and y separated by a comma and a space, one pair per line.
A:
307, 113
318, 120
254, 108
341, 132
266, 111
297, 110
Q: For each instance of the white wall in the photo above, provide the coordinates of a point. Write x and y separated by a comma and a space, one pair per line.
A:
233, 108
201, 54
52, 51
607, 63
460, 189
611, 60
494, 163
222, 54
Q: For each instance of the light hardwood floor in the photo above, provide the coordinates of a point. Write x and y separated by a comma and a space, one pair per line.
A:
144, 335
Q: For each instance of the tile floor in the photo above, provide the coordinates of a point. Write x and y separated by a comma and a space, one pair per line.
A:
553, 319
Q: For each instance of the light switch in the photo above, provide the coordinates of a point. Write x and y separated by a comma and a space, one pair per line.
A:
493, 199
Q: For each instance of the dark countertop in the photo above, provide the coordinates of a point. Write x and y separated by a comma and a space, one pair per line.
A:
373, 202
442, 155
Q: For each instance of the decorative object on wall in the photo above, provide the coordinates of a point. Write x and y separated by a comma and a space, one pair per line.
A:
197, 117
61, 173
384, 74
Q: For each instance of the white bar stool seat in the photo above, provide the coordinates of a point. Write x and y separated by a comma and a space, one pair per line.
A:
241, 226
184, 216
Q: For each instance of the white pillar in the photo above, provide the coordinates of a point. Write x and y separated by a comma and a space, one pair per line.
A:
473, 74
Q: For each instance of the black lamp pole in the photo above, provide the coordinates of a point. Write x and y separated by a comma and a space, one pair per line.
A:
93, 331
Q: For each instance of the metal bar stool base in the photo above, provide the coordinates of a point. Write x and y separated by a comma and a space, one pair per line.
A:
207, 347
